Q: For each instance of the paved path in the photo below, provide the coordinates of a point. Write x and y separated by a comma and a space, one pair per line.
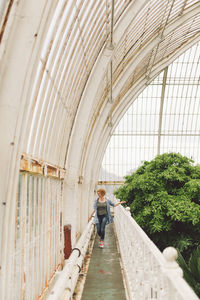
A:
104, 278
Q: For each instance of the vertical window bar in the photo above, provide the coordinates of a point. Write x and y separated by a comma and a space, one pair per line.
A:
38, 246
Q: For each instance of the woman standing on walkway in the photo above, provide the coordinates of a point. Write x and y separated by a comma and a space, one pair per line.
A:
102, 213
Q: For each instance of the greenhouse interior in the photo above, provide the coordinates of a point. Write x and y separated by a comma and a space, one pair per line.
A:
100, 149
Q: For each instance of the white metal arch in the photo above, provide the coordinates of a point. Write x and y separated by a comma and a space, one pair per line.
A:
118, 113
97, 138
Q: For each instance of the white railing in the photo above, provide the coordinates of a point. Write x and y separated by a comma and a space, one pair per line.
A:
149, 274
67, 278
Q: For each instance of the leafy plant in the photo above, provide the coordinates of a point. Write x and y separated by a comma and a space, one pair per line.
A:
191, 271
164, 198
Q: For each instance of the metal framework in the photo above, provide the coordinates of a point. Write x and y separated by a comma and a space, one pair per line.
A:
38, 251
164, 118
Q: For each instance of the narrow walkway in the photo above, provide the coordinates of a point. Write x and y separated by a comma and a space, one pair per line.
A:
104, 278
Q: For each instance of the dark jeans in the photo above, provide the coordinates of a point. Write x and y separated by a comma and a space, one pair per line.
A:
101, 226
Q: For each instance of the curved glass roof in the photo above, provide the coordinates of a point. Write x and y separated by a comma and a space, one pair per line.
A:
141, 36
164, 118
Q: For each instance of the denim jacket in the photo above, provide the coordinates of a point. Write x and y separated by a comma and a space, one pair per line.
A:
110, 218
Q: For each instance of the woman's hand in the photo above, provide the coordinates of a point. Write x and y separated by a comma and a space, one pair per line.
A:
118, 203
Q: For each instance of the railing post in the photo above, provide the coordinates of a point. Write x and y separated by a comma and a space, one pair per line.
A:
128, 210
170, 255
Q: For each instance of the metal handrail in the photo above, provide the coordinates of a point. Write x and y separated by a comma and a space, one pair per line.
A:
67, 278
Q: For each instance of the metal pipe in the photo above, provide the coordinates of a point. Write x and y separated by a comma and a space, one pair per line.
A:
111, 82
161, 108
112, 23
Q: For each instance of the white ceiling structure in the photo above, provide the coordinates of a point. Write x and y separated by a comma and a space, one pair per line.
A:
69, 71
69, 58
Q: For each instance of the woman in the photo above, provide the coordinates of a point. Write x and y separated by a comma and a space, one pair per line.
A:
102, 213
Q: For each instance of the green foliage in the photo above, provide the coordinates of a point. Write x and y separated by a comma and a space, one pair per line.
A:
164, 198
191, 271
